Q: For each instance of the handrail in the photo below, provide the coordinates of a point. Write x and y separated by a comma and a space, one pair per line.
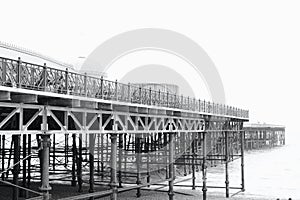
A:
19, 74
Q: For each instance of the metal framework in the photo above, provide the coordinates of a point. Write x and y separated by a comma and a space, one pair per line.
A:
76, 125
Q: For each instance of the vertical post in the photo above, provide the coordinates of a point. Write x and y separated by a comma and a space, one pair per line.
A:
193, 162
3, 72
67, 81
3, 157
102, 156
16, 168
140, 94
91, 159
24, 193
19, 73
116, 90
113, 159
167, 99
53, 153
66, 121
148, 158
138, 162
44, 157
242, 159
98, 153
204, 170
79, 164
171, 164
128, 93
101, 88
120, 159
29, 161
45, 77
226, 162
73, 182
85, 84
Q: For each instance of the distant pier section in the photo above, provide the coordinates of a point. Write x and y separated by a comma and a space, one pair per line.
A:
262, 135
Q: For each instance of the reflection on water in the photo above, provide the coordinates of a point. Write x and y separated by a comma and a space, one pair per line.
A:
269, 173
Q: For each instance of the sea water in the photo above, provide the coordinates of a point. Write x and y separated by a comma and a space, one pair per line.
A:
270, 173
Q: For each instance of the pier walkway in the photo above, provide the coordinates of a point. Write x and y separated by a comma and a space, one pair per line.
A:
61, 126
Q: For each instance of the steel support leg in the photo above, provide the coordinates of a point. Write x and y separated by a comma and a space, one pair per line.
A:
3, 157
16, 168
204, 167
171, 166
79, 165
226, 164
242, 159
138, 163
29, 162
24, 192
120, 159
91, 162
44, 162
113, 159
74, 155
193, 163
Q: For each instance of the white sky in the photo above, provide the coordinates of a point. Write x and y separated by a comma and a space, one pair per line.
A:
254, 44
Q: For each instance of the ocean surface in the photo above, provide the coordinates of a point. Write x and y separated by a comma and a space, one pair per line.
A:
269, 173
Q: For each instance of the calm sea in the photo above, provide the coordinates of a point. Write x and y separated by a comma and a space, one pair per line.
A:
269, 173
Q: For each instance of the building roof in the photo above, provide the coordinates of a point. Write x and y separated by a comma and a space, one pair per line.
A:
262, 125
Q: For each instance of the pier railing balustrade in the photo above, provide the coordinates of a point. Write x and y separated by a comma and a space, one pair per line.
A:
19, 74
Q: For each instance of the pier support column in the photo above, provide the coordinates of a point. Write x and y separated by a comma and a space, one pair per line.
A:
204, 188
113, 160
226, 163
138, 162
29, 162
3, 157
16, 169
44, 162
79, 164
24, 192
171, 164
120, 159
73, 182
92, 139
193, 162
242, 159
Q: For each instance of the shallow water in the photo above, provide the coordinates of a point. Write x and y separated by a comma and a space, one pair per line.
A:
269, 173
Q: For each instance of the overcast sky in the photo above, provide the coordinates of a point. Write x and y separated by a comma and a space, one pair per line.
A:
255, 45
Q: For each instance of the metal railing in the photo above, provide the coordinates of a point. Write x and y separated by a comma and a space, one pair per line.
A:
19, 74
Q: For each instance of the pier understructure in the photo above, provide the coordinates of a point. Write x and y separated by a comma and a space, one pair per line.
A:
58, 126
258, 136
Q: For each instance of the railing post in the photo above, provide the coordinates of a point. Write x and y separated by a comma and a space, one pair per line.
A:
101, 87
116, 90
159, 103
67, 81
171, 163
181, 102
188, 103
128, 93
167, 98
204, 167
19, 72
140, 94
85, 84
3, 71
45, 77
204, 106
199, 105
150, 99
